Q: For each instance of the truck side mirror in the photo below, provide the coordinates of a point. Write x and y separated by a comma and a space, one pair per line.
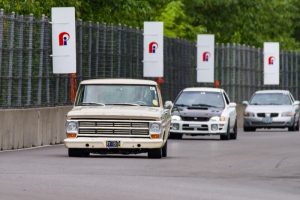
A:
168, 105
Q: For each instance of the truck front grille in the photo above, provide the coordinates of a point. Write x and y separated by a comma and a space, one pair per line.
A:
111, 128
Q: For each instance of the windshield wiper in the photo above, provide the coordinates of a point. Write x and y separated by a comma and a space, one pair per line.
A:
91, 104
181, 105
125, 104
204, 105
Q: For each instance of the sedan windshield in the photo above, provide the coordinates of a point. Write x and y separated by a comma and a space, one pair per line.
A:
270, 99
202, 99
127, 95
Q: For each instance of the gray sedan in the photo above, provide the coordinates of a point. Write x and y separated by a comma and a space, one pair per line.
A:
271, 109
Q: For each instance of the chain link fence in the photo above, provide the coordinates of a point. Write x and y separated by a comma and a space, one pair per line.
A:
109, 51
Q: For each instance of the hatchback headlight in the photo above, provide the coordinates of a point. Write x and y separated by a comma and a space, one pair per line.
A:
287, 114
214, 119
72, 127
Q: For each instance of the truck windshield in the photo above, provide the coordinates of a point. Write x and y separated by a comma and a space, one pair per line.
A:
270, 99
202, 99
127, 95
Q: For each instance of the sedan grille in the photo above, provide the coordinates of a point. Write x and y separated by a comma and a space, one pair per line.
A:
265, 114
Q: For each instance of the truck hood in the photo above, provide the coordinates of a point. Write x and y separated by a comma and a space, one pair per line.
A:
116, 112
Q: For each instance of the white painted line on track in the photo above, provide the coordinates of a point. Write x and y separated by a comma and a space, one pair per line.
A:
30, 148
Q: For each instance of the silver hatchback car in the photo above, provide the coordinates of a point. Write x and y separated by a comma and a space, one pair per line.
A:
271, 109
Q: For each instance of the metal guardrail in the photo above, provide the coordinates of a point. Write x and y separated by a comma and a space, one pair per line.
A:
108, 51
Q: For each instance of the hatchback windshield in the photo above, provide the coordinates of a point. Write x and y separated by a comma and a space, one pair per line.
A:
131, 95
195, 98
270, 99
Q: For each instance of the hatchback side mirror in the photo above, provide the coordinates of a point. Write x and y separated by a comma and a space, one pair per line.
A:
246, 103
168, 105
232, 105
296, 103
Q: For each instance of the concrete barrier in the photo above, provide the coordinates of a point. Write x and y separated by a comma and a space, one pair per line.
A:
24, 128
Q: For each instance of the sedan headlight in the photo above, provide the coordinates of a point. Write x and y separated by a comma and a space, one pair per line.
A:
287, 114
176, 118
249, 114
72, 127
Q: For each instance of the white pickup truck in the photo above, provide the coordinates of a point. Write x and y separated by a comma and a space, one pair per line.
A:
118, 116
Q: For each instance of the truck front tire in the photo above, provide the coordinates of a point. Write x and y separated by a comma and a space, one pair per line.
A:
78, 153
155, 153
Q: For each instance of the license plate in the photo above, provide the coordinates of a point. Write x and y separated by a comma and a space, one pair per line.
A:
112, 144
267, 120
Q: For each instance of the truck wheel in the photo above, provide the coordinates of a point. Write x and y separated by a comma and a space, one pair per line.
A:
233, 136
165, 150
78, 153
227, 135
155, 153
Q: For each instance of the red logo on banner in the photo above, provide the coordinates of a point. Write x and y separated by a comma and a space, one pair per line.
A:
63, 38
153, 47
205, 56
271, 60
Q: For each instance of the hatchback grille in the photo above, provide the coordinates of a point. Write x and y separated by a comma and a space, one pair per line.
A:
199, 119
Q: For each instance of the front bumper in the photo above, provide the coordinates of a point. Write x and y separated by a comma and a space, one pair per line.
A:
198, 128
277, 122
125, 143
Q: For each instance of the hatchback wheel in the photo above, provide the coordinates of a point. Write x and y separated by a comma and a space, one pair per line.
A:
227, 135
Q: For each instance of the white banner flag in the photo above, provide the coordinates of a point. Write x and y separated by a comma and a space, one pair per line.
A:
153, 49
205, 58
63, 40
271, 63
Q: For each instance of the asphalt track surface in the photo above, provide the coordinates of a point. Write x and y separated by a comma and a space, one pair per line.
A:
261, 165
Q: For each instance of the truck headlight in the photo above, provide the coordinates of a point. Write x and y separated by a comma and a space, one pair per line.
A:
176, 118
155, 130
287, 114
72, 127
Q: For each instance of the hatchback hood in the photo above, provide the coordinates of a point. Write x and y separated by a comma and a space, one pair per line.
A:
269, 108
116, 112
198, 112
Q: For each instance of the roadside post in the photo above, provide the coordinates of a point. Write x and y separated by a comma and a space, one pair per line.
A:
271, 63
205, 58
154, 51
64, 44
